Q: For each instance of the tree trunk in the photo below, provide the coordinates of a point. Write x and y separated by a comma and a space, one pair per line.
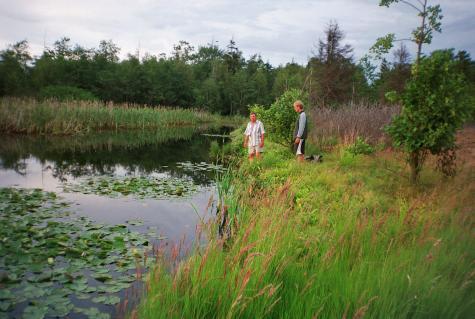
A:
416, 160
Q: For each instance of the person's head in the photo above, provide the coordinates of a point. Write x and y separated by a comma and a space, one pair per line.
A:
253, 117
298, 106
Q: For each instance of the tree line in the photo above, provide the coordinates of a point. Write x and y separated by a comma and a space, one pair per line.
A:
216, 79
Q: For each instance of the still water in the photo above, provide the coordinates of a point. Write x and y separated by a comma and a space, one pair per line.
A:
50, 164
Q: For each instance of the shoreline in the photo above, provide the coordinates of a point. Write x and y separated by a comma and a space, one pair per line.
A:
346, 237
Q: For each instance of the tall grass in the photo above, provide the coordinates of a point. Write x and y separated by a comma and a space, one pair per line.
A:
53, 117
349, 238
345, 124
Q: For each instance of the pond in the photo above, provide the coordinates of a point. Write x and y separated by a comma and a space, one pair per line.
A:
81, 217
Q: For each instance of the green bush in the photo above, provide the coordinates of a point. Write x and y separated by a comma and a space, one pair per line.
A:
360, 147
66, 93
280, 117
435, 104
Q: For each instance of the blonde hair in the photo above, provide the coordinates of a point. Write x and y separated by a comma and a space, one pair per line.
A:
299, 103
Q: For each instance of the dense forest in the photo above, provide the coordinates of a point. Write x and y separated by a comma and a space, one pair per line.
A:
216, 79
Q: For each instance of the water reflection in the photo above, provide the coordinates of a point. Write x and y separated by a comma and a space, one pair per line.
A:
111, 153
48, 162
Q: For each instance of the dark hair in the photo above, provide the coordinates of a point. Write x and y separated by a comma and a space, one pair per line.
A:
253, 113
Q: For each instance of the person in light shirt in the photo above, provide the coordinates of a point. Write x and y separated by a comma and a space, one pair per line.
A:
254, 137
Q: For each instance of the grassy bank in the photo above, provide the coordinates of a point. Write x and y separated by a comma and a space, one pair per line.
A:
65, 118
346, 238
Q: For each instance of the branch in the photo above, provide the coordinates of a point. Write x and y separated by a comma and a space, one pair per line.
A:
410, 4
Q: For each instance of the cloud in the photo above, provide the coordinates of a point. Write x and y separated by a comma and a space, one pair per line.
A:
279, 30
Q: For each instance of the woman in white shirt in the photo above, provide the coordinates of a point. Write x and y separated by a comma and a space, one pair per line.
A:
254, 137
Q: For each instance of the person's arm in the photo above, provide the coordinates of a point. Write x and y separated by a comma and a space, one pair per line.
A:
302, 121
246, 136
262, 135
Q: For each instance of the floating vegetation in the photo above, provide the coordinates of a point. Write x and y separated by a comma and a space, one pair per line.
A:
48, 256
139, 187
203, 166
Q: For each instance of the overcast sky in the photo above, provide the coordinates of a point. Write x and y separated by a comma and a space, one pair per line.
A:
279, 30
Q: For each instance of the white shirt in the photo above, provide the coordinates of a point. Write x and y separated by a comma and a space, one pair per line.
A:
254, 131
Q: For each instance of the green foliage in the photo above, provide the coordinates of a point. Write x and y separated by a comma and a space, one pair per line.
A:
291, 76
430, 21
14, 69
334, 79
138, 187
66, 93
49, 257
383, 45
279, 118
345, 238
435, 105
54, 117
360, 147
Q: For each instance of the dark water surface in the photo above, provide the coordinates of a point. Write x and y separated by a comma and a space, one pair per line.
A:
50, 163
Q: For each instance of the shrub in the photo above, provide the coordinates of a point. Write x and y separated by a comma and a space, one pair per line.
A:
280, 117
435, 105
360, 147
66, 93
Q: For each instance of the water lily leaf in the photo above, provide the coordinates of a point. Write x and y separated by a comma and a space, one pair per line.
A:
35, 312
32, 291
99, 299
92, 313
102, 277
119, 243
6, 294
112, 300
56, 299
5, 305
109, 289
60, 310
45, 276
82, 296
78, 287
135, 222
53, 256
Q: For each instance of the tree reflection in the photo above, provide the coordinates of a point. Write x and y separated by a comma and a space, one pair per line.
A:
136, 153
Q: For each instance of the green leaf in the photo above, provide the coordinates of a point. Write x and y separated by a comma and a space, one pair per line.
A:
6, 294
35, 312
5, 305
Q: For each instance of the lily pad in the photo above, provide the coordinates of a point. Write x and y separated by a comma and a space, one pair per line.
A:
107, 300
139, 187
35, 312
48, 255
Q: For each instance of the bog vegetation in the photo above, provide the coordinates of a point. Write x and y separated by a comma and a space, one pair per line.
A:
69, 117
353, 236
349, 237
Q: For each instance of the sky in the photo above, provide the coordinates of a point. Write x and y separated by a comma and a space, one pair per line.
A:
280, 31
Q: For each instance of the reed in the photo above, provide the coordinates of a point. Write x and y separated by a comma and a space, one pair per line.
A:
345, 124
50, 117
349, 237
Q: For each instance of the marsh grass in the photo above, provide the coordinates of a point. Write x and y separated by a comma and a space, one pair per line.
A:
347, 238
330, 127
71, 117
